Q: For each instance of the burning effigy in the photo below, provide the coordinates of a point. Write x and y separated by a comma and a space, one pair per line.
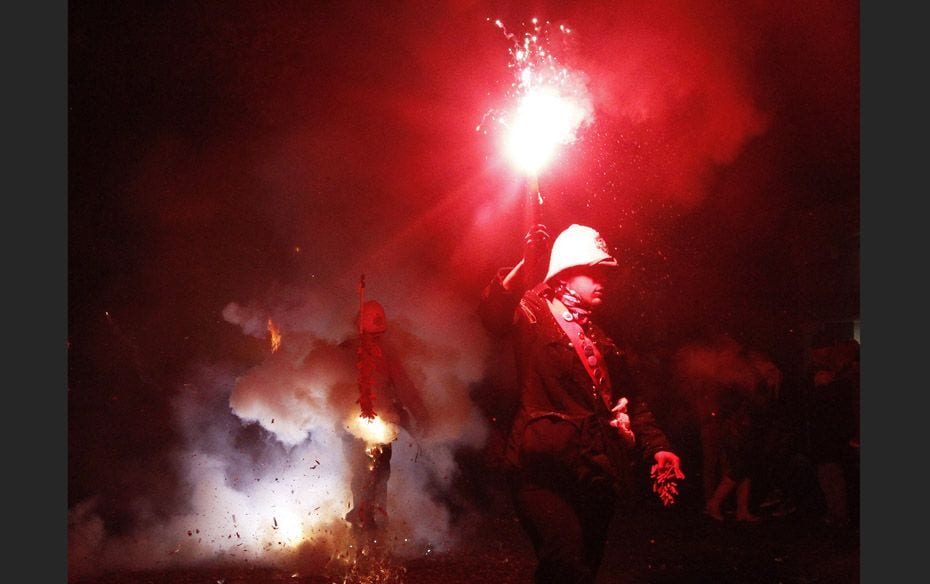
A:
356, 398
268, 462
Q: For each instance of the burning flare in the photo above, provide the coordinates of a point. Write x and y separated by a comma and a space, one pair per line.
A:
551, 102
543, 120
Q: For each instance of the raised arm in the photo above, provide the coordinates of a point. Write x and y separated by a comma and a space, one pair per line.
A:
500, 297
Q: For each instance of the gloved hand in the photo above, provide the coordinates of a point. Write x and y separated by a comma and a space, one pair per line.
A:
666, 473
621, 421
530, 270
667, 462
536, 242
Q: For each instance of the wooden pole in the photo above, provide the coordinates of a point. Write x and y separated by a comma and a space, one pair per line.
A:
361, 301
534, 209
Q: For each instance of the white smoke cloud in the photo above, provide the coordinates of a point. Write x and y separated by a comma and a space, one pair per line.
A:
265, 480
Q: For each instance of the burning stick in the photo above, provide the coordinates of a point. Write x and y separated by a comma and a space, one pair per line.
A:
361, 301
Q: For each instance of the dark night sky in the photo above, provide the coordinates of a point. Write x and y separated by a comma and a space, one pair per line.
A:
234, 162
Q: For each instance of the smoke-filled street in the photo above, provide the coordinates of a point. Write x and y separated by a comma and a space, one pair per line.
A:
244, 177
648, 544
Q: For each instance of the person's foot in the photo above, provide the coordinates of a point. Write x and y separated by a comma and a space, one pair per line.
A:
713, 511
748, 518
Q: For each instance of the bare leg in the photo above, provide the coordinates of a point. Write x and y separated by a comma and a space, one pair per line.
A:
743, 492
723, 490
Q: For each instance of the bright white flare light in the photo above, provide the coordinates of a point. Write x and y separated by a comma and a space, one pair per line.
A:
551, 101
543, 121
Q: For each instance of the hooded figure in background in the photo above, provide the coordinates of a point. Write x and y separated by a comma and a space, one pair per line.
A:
581, 419
387, 400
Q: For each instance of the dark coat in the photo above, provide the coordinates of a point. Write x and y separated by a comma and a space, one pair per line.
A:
562, 425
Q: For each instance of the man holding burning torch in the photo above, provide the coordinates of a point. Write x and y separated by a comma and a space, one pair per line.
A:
580, 419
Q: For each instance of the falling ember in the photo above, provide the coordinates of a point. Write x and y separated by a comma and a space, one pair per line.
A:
275, 336
373, 431
550, 101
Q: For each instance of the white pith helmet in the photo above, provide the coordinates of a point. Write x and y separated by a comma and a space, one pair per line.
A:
578, 246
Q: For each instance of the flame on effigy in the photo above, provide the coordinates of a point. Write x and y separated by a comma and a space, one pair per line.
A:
275, 336
374, 431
